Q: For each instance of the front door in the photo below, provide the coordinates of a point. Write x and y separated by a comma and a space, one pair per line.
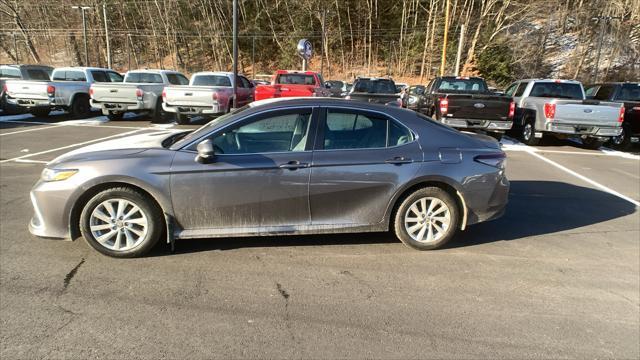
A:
258, 180
361, 159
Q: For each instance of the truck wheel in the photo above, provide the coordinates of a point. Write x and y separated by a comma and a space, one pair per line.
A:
592, 143
159, 115
115, 116
528, 132
80, 107
40, 112
427, 219
622, 141
182, 119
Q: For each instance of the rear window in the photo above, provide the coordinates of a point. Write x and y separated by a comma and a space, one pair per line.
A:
100, 76
296, 79
377, 86
69, 75
37, 74
143, 78
462, 85
211, 80
630, 92
177, 79
416, 90
521, 89
10, 73
557, 90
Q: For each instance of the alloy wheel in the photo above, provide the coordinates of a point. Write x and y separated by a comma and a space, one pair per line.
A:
118, 224
427, 220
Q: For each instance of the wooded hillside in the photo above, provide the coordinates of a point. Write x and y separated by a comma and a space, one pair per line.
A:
503, 39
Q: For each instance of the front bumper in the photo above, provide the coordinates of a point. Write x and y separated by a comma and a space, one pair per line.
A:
108, 107
193, 110
51, 209
577, 129
489, 125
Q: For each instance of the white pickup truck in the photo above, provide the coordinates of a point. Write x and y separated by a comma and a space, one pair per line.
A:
559, 108
68, 90
141, 92
208, 94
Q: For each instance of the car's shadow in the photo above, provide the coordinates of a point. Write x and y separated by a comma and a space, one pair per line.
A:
535, 208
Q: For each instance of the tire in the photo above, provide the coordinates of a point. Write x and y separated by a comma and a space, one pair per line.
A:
158, 115
592, 143
135, 239
40, 112
115, 116
527, 132
419, 238
80, 107
621, 142
182, 119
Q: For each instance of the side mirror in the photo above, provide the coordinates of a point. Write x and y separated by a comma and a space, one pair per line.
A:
327, 85
206, 154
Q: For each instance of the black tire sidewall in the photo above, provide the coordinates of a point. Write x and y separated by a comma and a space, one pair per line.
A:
115, 116
80, 108
433, 192
151, 210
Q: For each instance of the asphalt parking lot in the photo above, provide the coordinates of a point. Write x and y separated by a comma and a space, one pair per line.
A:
557, 277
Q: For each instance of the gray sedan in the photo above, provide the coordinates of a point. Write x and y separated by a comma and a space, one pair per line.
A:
284, 167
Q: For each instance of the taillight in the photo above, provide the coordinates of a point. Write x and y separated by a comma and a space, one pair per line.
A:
497, 160
636, 108
91, 91
51, 90
139, 94
164, 94
512, 110
214, 96
621, 115
444, 106
348, 97
549, 111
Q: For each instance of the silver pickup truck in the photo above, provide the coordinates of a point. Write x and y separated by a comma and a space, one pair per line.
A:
68, 91
208, 94
21, 72
558, 108
141, 92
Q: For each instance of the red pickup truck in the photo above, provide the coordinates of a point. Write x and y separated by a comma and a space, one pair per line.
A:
289, 83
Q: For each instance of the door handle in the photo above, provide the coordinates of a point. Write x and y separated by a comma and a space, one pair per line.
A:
399, 160
292, 165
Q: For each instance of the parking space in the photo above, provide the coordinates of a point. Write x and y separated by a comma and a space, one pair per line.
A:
557, 276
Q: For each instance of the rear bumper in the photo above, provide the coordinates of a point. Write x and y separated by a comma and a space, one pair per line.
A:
493, 203
107, 107
489, 125
194, 110
27, 104
579, 129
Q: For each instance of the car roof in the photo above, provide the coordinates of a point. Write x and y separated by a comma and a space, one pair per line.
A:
327, 101
155, 71
562, 81
81, 68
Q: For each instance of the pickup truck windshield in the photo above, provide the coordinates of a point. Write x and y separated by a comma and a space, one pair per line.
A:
557, 90
462, 85
377, 86
143, 78
630, 92
296, 79
211, 80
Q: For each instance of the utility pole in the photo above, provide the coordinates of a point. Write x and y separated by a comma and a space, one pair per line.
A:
106, 34
128, 52
324, 13
235, 53
253, 56
15, 48
444, 43
460, 45
602, 21
84, 32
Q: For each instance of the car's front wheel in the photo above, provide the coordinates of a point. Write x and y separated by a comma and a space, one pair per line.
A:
121, 222
427, 219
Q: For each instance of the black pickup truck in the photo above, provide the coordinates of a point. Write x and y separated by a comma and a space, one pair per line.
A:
627, 93
466, 103
375, 90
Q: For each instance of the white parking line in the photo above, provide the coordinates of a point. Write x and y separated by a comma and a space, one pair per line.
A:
28, 130
65, 123
28, 161
70, 146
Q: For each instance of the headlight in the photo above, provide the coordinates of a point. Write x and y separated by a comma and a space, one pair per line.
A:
412, 99
57, 174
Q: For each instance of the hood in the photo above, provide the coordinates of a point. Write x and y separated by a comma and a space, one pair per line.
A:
119, 147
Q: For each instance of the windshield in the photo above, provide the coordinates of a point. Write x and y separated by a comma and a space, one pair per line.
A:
204, 129
378, 86
630, 92
462, 85
557, 90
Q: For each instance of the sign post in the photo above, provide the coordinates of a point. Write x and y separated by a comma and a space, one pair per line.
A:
304, 51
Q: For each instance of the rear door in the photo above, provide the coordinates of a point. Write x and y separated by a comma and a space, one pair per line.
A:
360, 159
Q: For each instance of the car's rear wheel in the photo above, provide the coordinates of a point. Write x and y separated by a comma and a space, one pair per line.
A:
115, 116
622, 141
121, 222
528, 132
427, 219
80, 107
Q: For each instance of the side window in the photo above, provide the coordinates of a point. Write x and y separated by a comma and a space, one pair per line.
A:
590, 91
521, 88
245, 82
354, 130
177, 79
99, 76
37, 74
114, 77
280, 133
511, 89
75, 76
58, 76
605, 92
